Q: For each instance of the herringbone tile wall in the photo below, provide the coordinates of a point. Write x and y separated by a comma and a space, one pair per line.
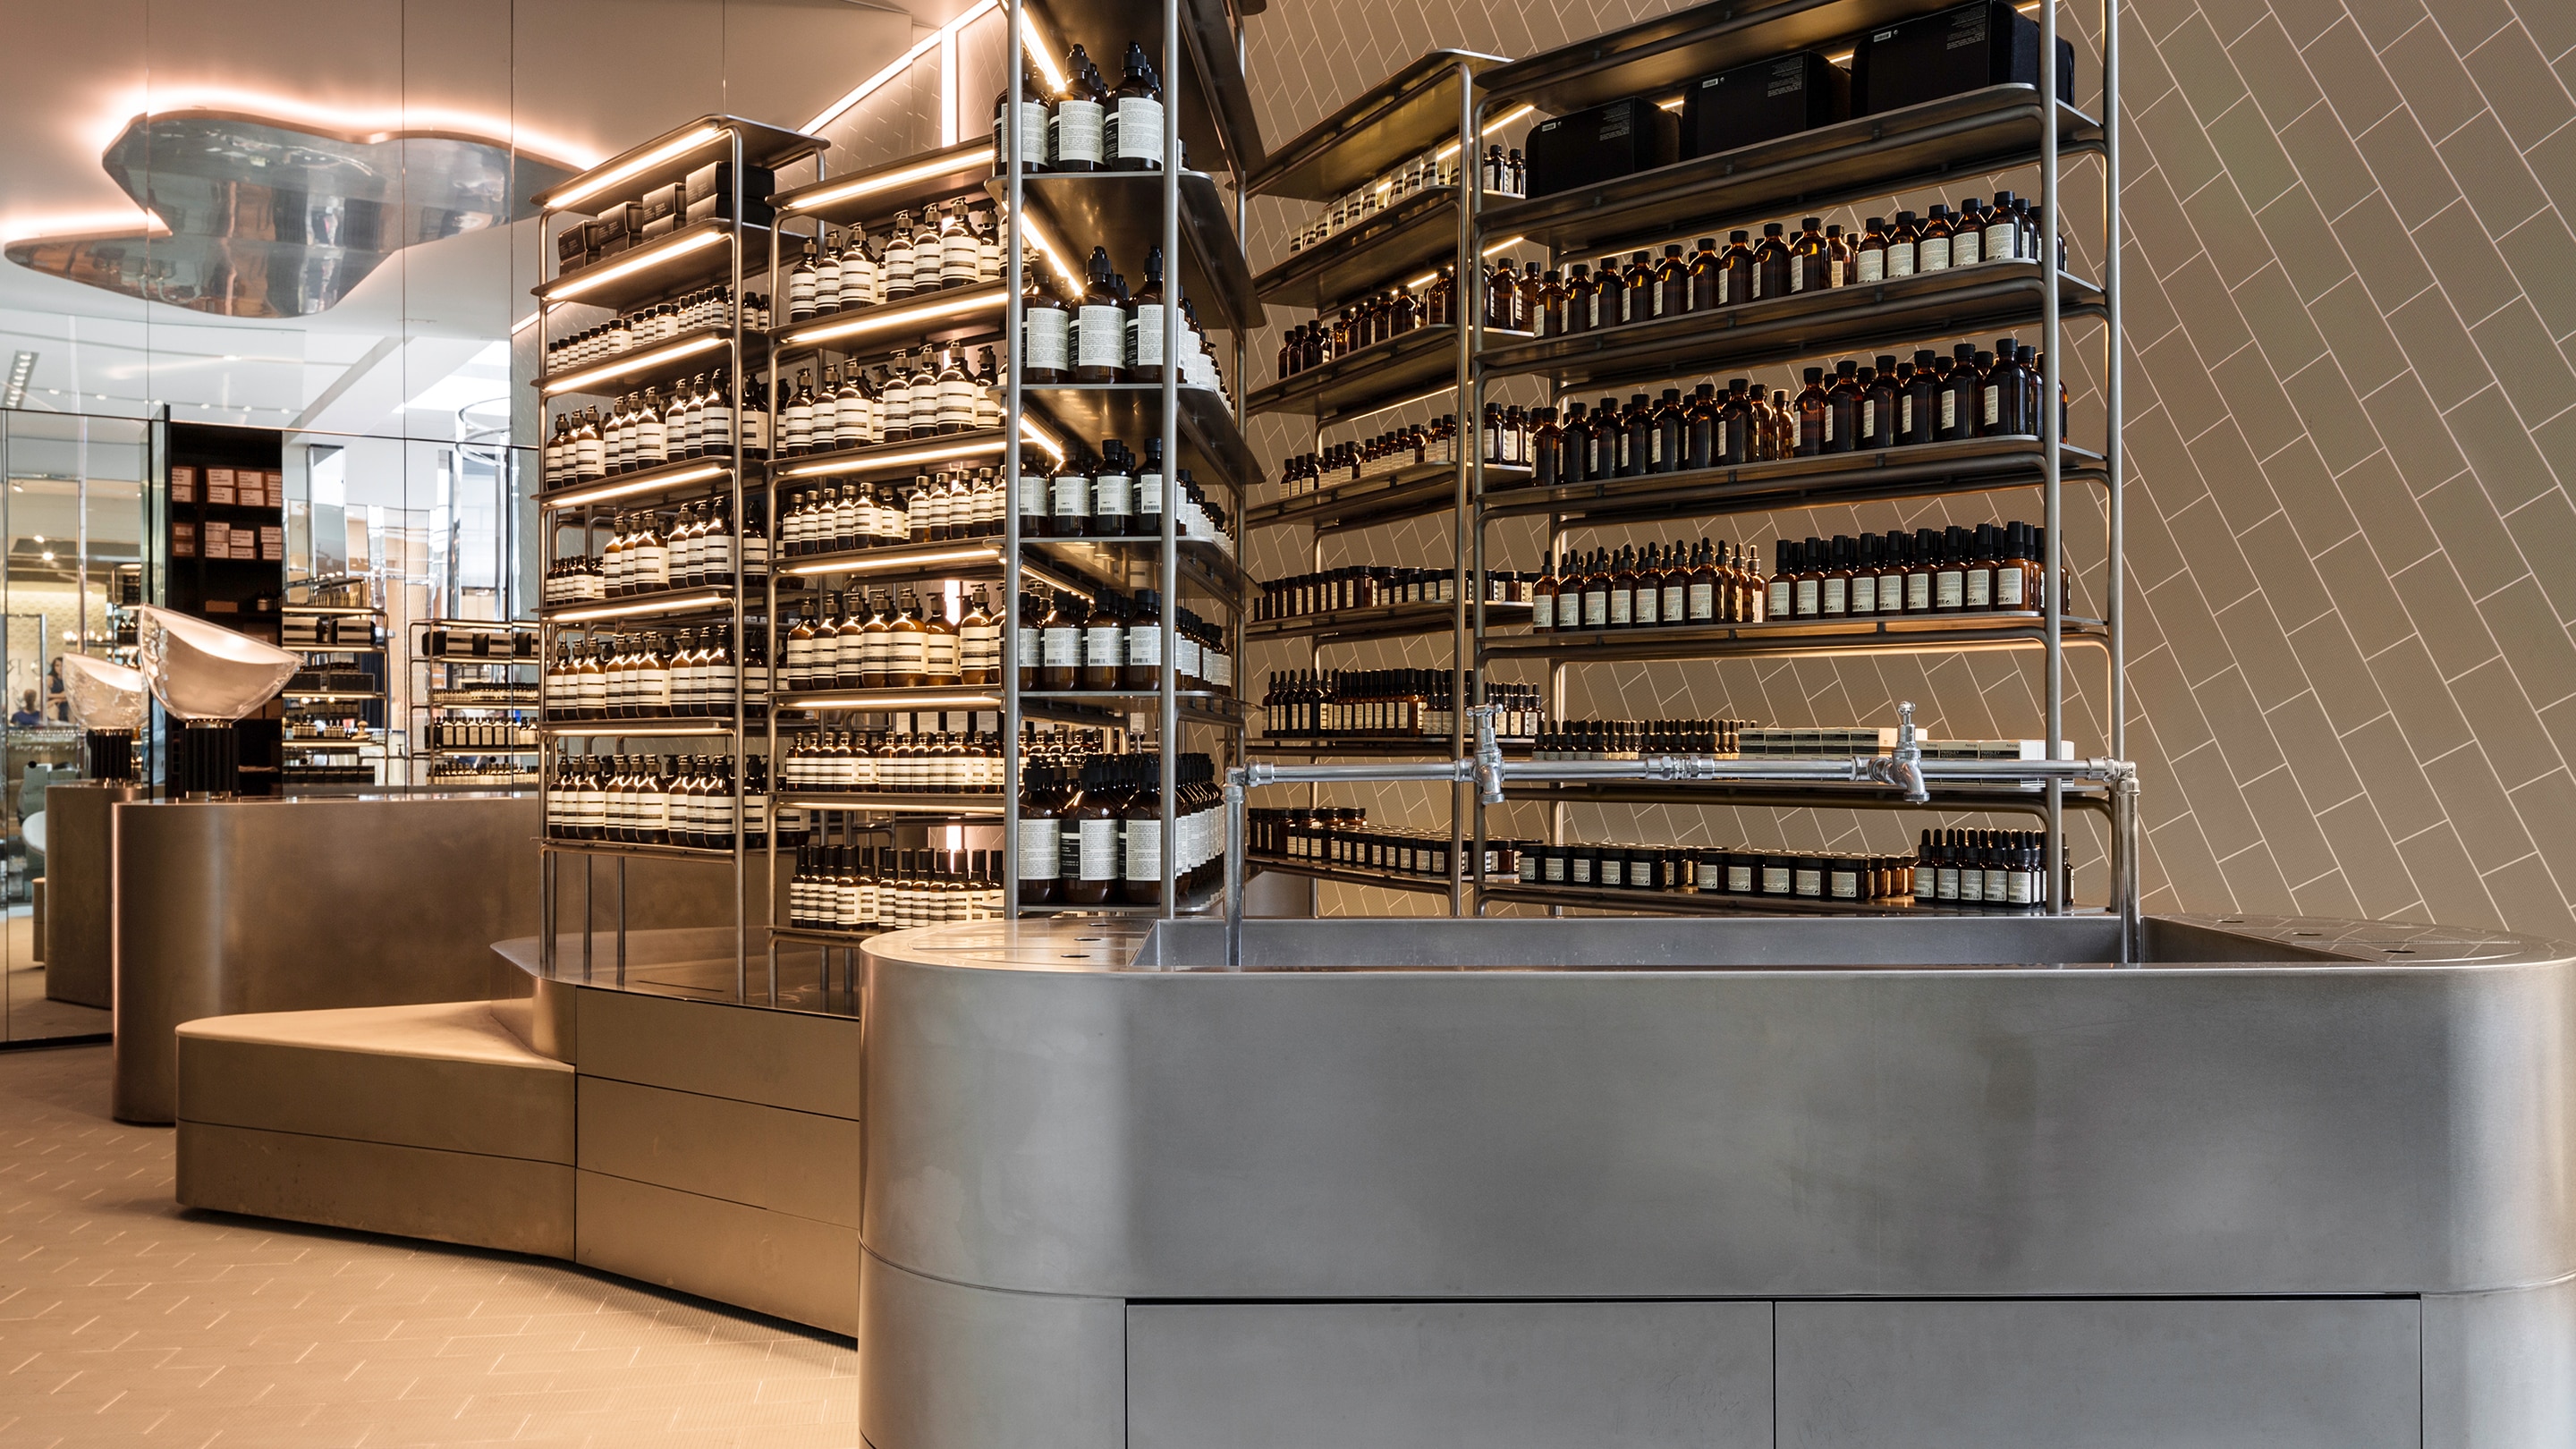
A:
2351, 299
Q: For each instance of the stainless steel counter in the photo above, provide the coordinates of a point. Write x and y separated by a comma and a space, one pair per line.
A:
291, 905
1851, 1182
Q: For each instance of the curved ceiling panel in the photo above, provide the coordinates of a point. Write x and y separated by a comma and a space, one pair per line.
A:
273, 220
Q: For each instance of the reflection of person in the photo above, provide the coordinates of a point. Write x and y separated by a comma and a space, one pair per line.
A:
25, 716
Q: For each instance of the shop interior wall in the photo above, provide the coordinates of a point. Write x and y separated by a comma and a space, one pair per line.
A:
2351, 294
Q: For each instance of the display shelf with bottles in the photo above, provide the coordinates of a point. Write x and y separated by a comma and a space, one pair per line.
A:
1932, 94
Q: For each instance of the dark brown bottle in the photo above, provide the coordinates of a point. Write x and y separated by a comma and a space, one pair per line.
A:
1810, 260
1919, 413
1961, 394
1704, 291
1672, 283
1582, 301
1735, 271
1701, 428
1093, 837
1842, 409
1770, 265
1666, 433
1811, 411
1637, 288
1141, 835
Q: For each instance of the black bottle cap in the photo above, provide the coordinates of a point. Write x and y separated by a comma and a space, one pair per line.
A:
1708, 243
1672, 249
1887, 361
1739, 236
1846, 367
1772, 228
1815, 374
1877, 223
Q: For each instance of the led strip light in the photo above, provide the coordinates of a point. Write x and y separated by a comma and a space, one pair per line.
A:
635, 362
695, 598
590, 278
602, 492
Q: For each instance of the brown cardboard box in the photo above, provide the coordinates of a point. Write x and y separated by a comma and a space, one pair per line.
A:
183, 483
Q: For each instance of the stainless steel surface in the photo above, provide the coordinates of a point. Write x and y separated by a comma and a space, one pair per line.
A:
1449, 1375
1656, 56
2284, 1374
79, 861
1758, 1108
803, 1164
774, 1263
513, 1204
260, 218
270, 905
1408, 113
1618, 1114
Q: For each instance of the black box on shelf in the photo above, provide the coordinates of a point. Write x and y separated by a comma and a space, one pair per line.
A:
710, 192
1619, 139
1931, 56
1763, 102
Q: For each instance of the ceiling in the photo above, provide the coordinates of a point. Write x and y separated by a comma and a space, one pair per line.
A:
566, 81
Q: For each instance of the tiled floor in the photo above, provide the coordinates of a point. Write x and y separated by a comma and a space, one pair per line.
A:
125, 1320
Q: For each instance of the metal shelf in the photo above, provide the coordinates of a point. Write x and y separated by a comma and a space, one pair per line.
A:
900, 458
476, 751
941, 316
671, 156
1657, 57
1191, 903
1404, 243
875, 193
1967, 135
1131, 563
1924, 470
2025, 799
1695, 903
1386, 621
1352, 875
1207, 433
635, 729
816, 936
1413, 367
688, 477
353, 696
1801, 638
684, 259
1415, 491
697, 350
894, 700
641, 608
1428, 747
337, 611
1856, 318
1201, 706
1123, 211
610, 847
1400, 117
973, 559
904, 803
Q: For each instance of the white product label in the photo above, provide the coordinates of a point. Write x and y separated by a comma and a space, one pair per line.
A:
1739, 879
1780, 598
1871, 266
1113, 494
1543, 612
1806, 596
1981, 588
1918, 593
1100, 337
1045, 333
1949, 409
1905, 417
1072, 496
1837, 596
1145, 850
1775, 880
1810, 882
1703, 601
2000, 241
1846, 885
1100, 646
1075, 131
1038, 850
1949, 587
1900, 259
1064, 648
1145, 336
2008, 593
1033, 494
1965, 248
1145, 645
1139, 127
1934, 254
1097, 844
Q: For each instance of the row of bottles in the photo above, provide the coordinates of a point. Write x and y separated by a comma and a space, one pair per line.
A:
696, 548
896, 762
463, 772
1085, 126
1593, 296
643, 326
1115, 494
892, 641
1858, 407
1115, 642
688, 675
934, 508
1858, 880
1387, 704
1342, 837
1373, 586
1093, 835
933, 392
1638, 739
1434, 442
1954, 570
851, 888
685, 800
1107, 334
954, 245
1710, 582
482, 734
924, 394
1424, 171
1368, 321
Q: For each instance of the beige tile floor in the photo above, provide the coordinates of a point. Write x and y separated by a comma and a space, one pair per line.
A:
127, 1321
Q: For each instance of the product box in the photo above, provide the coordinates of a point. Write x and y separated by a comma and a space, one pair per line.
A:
710, 192
183, 483
1931, 56
1763, 102
219, 485
1619, 139
183, 540
250, 488
272, 543
572, 247
219, 540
